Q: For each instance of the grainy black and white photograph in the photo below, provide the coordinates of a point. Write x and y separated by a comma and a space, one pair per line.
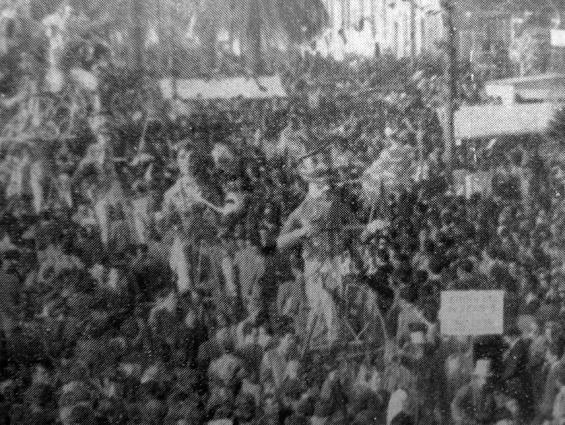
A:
282, 212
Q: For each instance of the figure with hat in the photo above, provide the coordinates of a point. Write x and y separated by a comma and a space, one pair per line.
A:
392, 171
9, 286
307, 226
97, 171
293, 138
420, 357
475, 403
66, 161
143, 168
186, 192
27, 114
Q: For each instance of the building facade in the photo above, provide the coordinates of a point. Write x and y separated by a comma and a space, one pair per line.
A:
505, 40
372, 27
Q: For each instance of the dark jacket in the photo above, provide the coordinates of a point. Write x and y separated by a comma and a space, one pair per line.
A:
516, 377
475, 405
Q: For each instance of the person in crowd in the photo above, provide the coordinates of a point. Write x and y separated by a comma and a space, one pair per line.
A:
515, 375
554, 365
475, 403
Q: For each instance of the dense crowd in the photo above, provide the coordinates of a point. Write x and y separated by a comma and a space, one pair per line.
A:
208, 280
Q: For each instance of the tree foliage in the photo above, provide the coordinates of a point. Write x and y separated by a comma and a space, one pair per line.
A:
114, 22
531, 50
257, 23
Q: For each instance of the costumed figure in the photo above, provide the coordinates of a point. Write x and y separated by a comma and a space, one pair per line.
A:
292, 138
142, 201
24, 191
63, 29
22, 110
56, 30
307, 226
391, 172
183, 204
105, 192
66, 162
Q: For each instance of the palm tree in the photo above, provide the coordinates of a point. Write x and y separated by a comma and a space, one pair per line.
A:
256, 23
125, 24
132, 21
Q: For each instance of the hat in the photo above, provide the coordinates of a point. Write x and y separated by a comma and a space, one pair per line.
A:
81, 414
296, 420
338, 418
318, 420
323, 408
513, 330
6, 245
482, 368
417, 327
223, 411
101, 123
417, 337
292, 389
185, 144
186, 378
313, 173
79, 394
142, 158
245, 407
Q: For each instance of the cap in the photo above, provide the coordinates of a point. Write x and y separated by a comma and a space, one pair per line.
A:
185, 144
482, 368
417, 337
101, 123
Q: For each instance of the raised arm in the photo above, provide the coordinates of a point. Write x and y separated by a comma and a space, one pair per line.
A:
292, 232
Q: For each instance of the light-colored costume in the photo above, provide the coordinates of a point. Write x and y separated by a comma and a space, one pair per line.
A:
107, 195
321, 269
26, 178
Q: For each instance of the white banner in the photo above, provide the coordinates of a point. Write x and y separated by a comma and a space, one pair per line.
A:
472, 313
558, 38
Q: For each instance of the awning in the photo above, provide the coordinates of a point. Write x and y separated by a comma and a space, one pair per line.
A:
544, 87
225, 88
486, 121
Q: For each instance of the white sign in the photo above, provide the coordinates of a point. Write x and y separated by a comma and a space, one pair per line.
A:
224, 88
472, 313
558, 38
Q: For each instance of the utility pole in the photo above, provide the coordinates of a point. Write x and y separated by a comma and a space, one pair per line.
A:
450, 83
413, 31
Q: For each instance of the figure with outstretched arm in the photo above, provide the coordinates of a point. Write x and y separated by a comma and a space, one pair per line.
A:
307, 227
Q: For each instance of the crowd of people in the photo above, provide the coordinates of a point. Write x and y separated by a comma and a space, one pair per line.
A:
256, 268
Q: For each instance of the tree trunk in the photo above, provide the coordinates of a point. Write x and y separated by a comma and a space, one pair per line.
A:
209, 58
137, 10
450, 80
253, 47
